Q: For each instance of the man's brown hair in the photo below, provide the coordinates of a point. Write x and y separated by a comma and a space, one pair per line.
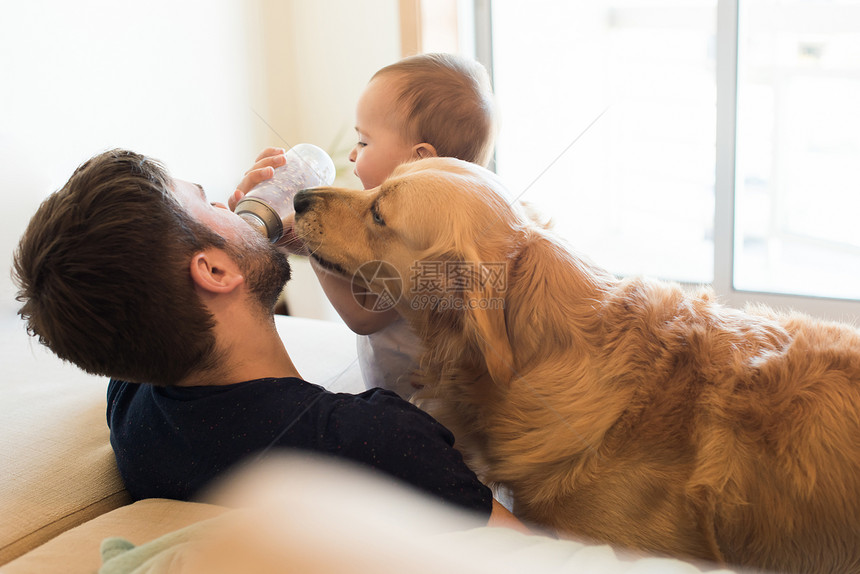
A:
447, 101
102, 272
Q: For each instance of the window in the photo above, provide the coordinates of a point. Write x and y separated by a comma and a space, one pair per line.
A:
618, 101
798, 153
703, 141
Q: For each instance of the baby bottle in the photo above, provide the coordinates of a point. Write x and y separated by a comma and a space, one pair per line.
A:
267, 205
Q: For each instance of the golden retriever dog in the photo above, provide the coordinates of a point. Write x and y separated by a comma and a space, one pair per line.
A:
626, 411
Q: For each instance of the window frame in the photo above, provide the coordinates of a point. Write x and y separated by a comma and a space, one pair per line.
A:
725, 170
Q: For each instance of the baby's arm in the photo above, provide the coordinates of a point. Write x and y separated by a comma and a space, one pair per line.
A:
355, 310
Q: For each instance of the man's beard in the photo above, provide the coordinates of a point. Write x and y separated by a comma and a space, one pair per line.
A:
266, 270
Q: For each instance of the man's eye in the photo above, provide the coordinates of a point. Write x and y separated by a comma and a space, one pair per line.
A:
361, 144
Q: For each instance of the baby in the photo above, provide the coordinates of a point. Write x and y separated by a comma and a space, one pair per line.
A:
421, 106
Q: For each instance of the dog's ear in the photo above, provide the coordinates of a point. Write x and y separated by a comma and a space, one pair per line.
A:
484, 318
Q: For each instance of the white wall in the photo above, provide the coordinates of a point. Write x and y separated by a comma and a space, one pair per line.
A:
202, 85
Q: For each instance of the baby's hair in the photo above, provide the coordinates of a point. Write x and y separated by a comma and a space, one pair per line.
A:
446, 101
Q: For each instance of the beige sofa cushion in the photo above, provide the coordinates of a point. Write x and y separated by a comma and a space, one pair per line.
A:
58, 466
77, 550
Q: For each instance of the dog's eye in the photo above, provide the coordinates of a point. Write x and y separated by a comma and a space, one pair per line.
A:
377, 219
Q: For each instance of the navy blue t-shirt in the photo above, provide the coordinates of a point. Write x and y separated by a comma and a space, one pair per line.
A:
170, 442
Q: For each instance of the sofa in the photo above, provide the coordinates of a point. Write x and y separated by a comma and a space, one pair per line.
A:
63, 502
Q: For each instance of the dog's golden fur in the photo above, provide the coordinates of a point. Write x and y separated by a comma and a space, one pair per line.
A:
627, 411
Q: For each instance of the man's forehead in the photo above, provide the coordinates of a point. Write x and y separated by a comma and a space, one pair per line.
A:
186, 190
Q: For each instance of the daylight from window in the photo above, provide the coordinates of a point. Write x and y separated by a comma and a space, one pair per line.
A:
616, 101
798, 151
609, 116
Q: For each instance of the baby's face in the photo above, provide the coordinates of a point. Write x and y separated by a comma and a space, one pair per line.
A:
380, 146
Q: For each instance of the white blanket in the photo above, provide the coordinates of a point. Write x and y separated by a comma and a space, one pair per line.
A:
308, 515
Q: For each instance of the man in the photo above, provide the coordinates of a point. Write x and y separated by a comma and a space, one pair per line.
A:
131, 274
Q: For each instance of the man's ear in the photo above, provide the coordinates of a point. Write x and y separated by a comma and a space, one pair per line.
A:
423, 150
214, 271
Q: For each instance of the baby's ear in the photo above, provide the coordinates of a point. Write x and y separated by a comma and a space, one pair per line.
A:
423, 150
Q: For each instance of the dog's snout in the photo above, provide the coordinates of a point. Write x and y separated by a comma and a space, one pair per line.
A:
303, 200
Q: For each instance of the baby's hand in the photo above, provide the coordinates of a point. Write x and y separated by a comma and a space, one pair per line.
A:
263, 169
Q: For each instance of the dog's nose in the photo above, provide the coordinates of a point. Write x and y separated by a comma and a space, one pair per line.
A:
303, 200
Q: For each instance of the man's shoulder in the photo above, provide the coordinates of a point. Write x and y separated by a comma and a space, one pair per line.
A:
276, 394
258, 389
